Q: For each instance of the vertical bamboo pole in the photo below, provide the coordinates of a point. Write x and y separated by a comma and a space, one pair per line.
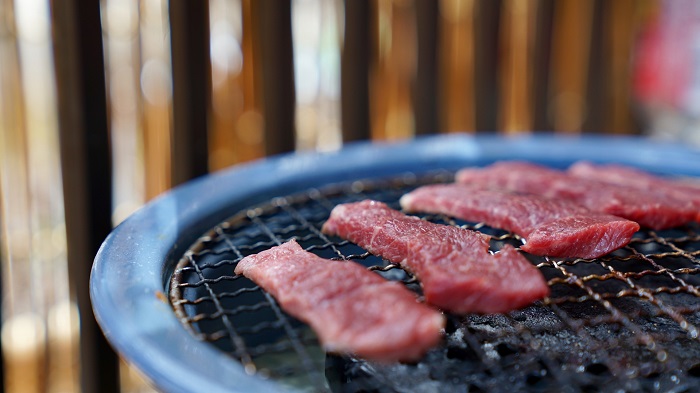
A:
619, 27
517, 72
571, 35
189, 46
457, 62
87, 172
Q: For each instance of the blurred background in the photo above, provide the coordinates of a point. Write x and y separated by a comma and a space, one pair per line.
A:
104, 106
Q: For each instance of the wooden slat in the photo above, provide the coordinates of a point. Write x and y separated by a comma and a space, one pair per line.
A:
21, 361
189, 37
86, 169
457, 62
620, 24
393, 70
8, 60
571, 35
541, 63
354, 79
425, 103
487, 20
595, 105
155, 100
275, 30
517, 69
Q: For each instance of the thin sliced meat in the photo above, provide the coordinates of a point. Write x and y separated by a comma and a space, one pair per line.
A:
454, 266
550, 227
352, 310
649, 209
637, 178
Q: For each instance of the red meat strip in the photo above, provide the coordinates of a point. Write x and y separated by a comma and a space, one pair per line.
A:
352, 309
454, 266
636, 178
649, 209
551, 227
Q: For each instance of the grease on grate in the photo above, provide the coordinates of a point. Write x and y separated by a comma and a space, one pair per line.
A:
626, 321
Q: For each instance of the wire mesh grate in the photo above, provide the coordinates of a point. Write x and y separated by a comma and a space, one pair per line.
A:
628, 320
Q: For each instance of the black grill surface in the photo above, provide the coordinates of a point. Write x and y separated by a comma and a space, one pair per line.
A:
624, 322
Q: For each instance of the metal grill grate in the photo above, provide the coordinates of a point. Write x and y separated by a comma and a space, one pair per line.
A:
628, 320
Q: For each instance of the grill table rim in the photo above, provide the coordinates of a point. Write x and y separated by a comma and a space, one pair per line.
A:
132, 268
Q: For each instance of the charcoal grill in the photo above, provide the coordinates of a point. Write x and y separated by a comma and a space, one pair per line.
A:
166, 297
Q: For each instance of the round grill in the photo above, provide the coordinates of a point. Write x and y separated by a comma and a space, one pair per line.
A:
627, 321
